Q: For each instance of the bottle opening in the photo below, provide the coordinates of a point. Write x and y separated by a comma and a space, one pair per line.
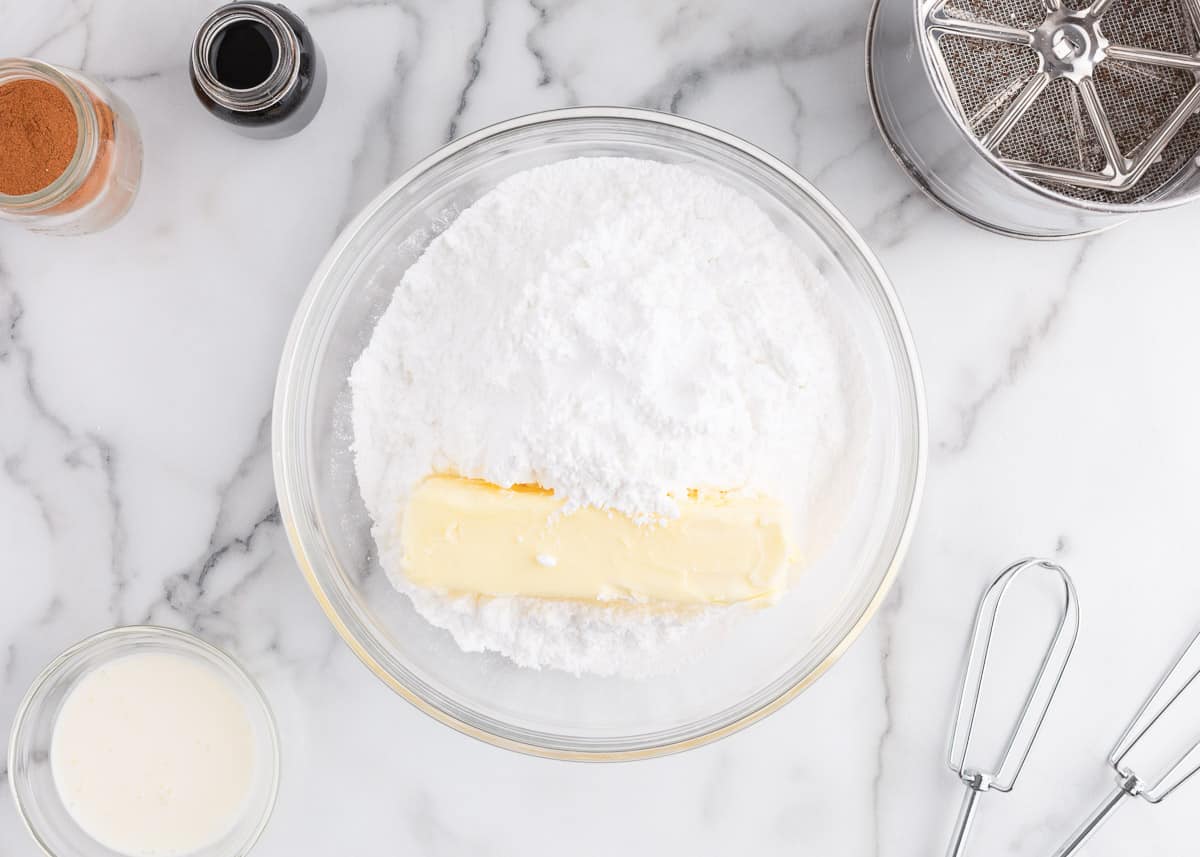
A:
244, 54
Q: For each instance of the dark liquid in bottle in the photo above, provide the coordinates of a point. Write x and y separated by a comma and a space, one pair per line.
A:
244, 54
249, 52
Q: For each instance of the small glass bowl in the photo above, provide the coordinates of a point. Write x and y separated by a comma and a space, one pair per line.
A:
762, 663
29, 770
100, 182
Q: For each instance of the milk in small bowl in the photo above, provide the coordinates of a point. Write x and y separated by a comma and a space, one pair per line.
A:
144, 742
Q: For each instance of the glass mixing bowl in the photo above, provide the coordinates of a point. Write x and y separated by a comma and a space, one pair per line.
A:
767, 659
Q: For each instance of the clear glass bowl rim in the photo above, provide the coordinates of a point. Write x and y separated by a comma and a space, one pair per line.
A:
173, 637
311, 316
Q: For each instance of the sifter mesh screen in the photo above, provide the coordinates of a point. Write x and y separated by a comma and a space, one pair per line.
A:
987, 72
1163, 25
1139, 98
1056, 129
1018, 13
999, 71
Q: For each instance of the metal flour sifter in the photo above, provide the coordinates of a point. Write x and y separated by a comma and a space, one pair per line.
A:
1041, 118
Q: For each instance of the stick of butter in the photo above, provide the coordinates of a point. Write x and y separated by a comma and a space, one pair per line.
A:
469, 536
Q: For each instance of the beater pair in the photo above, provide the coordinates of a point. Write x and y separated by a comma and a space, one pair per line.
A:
1000, 774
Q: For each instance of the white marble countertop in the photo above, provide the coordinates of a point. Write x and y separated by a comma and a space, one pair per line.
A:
136, 371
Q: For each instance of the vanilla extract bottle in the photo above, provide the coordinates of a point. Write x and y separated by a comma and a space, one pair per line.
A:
256, 66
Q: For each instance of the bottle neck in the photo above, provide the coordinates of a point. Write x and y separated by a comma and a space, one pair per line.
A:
278, 82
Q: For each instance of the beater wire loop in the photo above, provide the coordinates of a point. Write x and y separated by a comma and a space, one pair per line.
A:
1000, 774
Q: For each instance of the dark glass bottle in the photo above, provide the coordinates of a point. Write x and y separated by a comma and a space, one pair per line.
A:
256, 66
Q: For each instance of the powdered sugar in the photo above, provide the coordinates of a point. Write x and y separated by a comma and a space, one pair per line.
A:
619, 331
626, 639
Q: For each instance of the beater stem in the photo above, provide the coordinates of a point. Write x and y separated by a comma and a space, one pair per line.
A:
966, 815
1128, 788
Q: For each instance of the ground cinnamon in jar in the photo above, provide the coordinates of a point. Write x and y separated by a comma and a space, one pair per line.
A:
38, 135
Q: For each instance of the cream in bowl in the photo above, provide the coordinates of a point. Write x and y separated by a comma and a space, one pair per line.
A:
144, 742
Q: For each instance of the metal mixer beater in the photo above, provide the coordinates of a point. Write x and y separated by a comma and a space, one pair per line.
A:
1158, 781
979, 773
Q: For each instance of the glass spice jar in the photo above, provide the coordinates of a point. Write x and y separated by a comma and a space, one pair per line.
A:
103, 164
256, 66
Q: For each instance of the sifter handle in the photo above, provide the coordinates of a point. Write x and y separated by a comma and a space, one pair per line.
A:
1127, 788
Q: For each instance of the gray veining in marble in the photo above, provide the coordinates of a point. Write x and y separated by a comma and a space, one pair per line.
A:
136, 371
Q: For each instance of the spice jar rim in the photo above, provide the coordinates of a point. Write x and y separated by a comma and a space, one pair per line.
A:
86, 140
279, 82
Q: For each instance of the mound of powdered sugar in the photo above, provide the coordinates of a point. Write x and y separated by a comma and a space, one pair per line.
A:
618, 331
